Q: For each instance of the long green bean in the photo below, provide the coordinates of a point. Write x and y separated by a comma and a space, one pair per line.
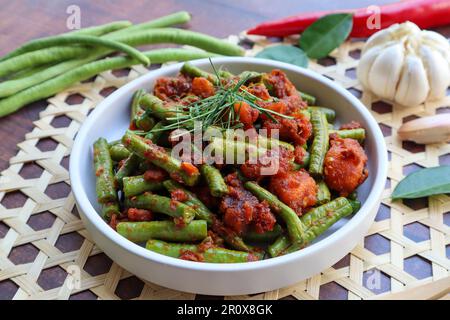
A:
144, 122
267, 236
83, 72
214, 179
193, 71
145, 37
212, 255
356, 205
159, 157
329, 113
105, 185
60, 53
319, 146
163, 230
310, 100
323, 193
202, 212
357, 134
69, 39
170, 20
156, 107
119, 35
139, 117
108, 209
295, 227
236, 151
155, 133
279, 246
127, 168
161, 204
91, 31
260, 140
316, 221
305, 162
135, 107
135, 185
118, 152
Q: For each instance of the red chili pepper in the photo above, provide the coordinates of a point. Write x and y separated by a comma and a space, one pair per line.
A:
424, 13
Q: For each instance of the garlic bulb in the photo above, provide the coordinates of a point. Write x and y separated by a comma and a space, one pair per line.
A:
405, 64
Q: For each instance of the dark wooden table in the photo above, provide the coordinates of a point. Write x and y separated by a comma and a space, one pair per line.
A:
22, 20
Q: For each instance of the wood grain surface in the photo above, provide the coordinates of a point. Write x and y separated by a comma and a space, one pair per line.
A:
22, 20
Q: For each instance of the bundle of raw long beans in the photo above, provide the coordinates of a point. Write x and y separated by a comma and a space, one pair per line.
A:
44, 67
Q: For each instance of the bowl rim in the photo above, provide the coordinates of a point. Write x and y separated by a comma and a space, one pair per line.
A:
89, 211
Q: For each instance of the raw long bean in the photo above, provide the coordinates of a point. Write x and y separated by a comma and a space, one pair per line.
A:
60, 53
91, 31
86, 71
151, 36
163, 230
60, 68
39, 44
176, 18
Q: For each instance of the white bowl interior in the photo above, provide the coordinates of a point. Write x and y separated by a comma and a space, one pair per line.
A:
111, 119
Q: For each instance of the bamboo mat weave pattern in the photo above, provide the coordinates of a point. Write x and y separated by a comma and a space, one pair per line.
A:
408, 244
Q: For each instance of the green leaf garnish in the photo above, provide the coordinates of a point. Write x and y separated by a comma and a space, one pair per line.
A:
326, 34
423, 183
285, 53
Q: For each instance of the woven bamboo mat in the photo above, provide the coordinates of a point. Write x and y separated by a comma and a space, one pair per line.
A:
408, 244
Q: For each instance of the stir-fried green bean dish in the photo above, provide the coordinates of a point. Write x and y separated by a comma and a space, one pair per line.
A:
224, 168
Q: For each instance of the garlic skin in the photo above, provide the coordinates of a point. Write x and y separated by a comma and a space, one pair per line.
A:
405, 64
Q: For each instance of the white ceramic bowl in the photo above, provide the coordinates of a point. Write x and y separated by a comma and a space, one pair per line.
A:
110, 120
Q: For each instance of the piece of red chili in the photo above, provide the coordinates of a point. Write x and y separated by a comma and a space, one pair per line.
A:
424, 13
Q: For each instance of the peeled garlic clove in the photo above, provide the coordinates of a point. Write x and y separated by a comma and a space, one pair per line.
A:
437, 73
432, 129
385, 71
413, 85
